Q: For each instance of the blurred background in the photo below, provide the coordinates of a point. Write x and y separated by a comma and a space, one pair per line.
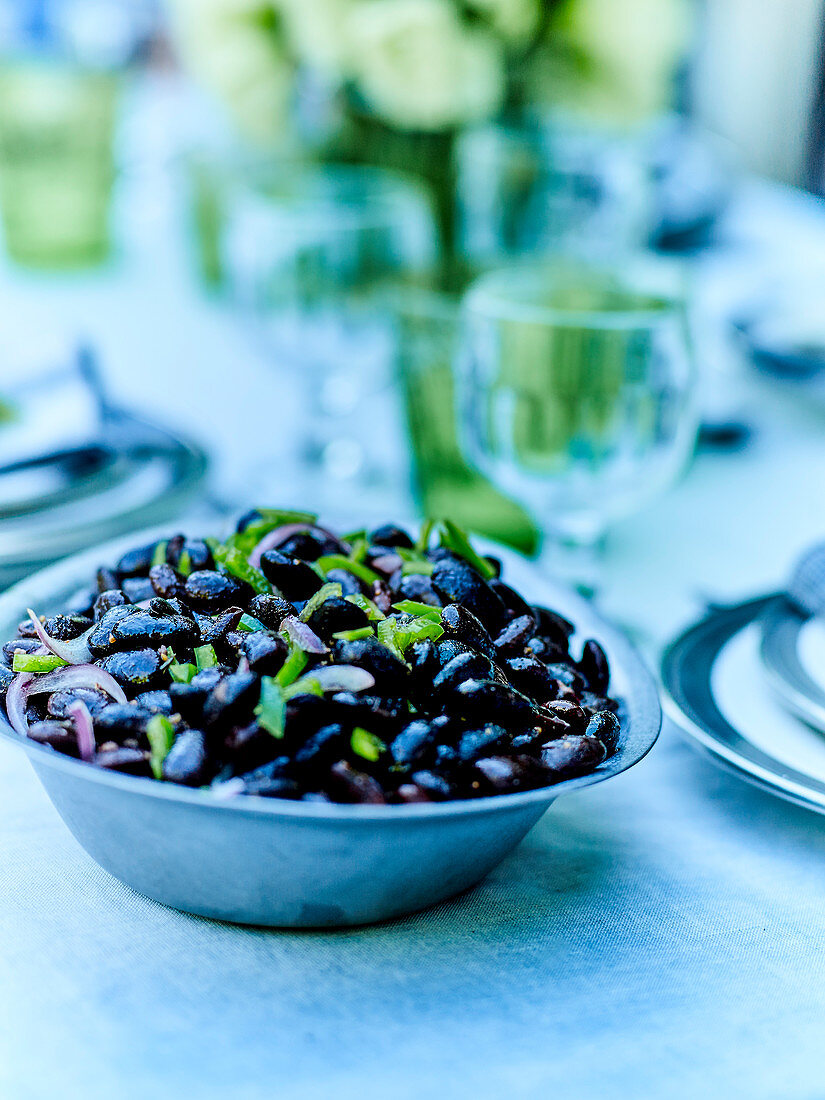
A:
543, 267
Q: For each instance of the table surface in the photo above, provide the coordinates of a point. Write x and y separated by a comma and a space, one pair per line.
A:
658, 936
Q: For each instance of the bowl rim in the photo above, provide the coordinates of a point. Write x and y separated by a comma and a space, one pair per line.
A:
645, 717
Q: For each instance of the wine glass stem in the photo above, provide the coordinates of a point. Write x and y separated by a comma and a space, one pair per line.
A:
576, 559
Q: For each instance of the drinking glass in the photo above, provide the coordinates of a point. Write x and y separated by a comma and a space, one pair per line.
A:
577, 395
314, 255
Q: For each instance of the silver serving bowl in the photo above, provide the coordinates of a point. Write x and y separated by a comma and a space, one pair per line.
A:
265, 861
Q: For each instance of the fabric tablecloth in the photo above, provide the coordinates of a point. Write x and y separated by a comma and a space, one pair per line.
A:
658, 936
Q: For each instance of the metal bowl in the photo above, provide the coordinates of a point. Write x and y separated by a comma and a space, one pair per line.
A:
263, 861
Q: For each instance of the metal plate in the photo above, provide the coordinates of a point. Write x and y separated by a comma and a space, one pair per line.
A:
782, 628
687, 669
265, 861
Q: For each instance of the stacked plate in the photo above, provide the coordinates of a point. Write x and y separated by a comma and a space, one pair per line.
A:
85, 472
747, 682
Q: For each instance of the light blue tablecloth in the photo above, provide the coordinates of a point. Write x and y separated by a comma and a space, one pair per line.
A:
661, 936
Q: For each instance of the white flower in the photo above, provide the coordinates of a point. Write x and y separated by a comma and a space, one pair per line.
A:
233, 49
632, 48
516, 20
316, 30
419, 68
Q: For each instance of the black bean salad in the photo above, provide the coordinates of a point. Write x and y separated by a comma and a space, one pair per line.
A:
291, 662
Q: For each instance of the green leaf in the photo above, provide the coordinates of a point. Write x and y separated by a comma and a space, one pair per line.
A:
366, 744
456, 540
354, 635
387, 635
424, 567
398, 636
325, 592
234, 562
36, 662
161, 735
205, 656
159, 554
415, 608
271, 710
354, 536
247, 540
304, 685
338, 561
182, 674
292, 667
370, 608
358, 553
423, 540
250, 624
185, 563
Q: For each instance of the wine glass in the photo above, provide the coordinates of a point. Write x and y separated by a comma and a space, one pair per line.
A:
577, 395
314, 253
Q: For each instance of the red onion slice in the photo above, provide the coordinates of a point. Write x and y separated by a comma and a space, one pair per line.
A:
76, 676
342, 678
16, 698
84, 729
74, 652
280, 534
305, 638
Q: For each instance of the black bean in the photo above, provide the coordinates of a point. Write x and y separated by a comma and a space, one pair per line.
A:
514, 604
531, 677
466, 666
604, 726
59, 701
515, 635
6, 679
187, 762
135, 670
572, 755
58, 736
417, 586
304, 545
165, 582
457, 582
265, 652
390, 535
351, 785
594, 667
350, 584
553, 626
200, 556
270, 610
568, 675
66, 627
145, 629
504, 773
137, 589
126, 760
322, 748
488, 700
209, 590
19, 645
414, 744
336, 614
232, 700
462, 624
113, 597
120, 720
156, 702
391, 675
106, 580
482, 742
136, 562
435, 786
25, 629
294, 579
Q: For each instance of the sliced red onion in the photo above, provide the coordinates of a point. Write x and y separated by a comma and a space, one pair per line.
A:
230, 788
74, 652
84, 729
342, 678
77, 676
305, 638
386, 564
280, 534
16, 698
